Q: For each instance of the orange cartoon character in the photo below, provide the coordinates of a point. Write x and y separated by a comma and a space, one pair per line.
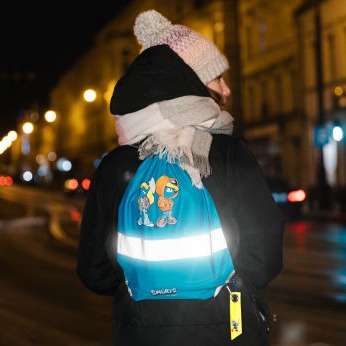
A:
167, 189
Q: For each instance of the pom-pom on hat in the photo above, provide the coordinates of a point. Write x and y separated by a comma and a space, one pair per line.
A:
152, 28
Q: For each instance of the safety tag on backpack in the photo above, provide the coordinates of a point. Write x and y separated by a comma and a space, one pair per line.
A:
235, 314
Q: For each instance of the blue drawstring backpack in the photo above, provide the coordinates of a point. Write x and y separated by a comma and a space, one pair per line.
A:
170, 239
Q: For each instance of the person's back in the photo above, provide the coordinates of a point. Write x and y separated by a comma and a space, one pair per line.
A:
178, 218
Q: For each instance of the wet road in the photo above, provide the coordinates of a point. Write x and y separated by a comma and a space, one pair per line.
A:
41, 300
43, 303
309, 296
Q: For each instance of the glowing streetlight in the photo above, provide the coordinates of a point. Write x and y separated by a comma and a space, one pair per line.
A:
50, 116
52, 156
338, 90
6, 141
28, 127
89, 95
12, 135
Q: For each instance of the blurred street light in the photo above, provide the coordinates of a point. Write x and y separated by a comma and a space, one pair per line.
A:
28, 127
50, 116
338, 133
12, 135
64, 165
89, 95
7, 140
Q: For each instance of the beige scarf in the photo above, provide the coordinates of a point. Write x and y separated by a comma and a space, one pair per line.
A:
179, 129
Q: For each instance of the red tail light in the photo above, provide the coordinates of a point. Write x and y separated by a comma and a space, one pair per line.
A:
71, 184
86, 184
6, 180
296, 196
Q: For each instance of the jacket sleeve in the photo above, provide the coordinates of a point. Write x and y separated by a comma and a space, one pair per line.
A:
94, 267
260, 221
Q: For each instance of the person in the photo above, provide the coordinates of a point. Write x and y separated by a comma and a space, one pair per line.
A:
172, 289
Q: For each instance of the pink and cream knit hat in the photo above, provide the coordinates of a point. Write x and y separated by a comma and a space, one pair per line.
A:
152, 28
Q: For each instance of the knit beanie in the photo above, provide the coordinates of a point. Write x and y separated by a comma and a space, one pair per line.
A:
152, 28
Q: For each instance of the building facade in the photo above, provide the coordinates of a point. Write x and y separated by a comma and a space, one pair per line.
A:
287, 75
292, 68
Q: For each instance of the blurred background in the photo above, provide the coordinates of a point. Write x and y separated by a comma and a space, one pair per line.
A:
287, 77
58, 69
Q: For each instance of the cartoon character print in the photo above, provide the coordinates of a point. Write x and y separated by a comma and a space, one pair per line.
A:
145, 200
167, 189
234, 326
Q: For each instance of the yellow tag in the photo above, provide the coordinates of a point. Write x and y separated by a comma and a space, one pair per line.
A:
235, 315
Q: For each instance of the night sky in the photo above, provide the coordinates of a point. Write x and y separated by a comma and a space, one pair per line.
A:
38, 43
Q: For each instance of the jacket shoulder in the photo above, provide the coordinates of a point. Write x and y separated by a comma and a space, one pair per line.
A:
225, 145
119, 153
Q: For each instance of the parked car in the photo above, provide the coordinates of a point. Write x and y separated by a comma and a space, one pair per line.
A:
289, 198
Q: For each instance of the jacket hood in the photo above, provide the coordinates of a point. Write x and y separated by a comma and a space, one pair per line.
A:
157, 74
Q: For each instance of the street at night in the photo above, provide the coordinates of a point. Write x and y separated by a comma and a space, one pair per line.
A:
91, 91
308, 299
43, 303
